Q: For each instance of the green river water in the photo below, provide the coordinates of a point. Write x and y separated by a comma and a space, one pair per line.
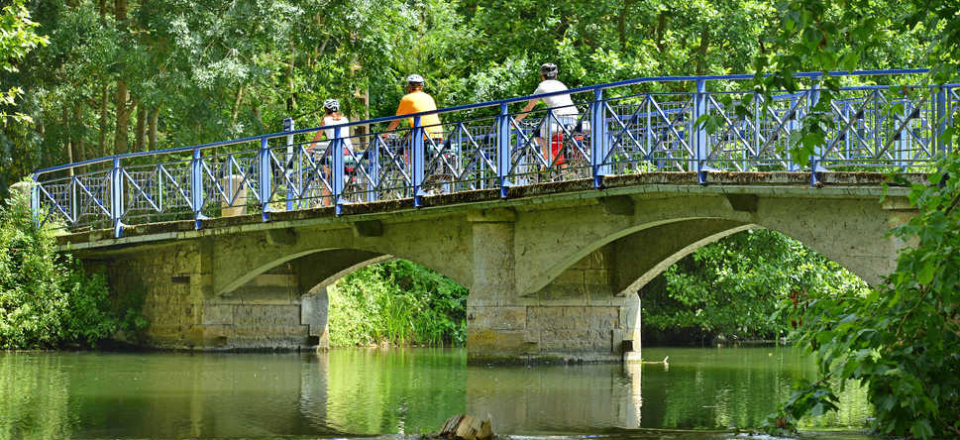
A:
382, 393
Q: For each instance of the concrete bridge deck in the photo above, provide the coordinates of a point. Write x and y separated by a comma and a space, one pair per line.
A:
553, 269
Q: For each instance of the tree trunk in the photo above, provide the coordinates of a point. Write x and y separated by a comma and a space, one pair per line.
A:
104, 102
702, 52
153, 127
622, 24
81, 130
661, 28
120, 12
141, 135
237, 102
120, 142
69, 126
291, 99
102, 7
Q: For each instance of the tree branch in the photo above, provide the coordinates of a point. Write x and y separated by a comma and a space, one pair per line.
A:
953, 204
910, 312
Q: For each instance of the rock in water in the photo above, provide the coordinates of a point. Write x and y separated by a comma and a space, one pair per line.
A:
450, 426
464, 427
486, 431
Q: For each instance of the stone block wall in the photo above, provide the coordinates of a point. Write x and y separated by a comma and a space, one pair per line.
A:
579, 312
577, 317
575, 329
185, 314
265, 313
170, 281
591, 277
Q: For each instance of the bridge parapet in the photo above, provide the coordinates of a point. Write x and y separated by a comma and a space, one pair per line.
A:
622, 129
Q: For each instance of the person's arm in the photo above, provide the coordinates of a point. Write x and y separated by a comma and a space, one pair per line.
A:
392, 126
318, 136
525, 111
402, 109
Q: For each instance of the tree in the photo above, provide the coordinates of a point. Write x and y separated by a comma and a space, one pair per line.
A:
733, 287
902, 341
18, 36
46, 299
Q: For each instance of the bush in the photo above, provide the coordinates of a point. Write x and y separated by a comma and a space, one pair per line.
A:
733, 287
46, 299
902, 341
398, 302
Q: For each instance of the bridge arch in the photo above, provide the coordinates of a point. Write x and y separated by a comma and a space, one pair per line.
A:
442, 244
291, 291
639, 253
659, 232
667, 241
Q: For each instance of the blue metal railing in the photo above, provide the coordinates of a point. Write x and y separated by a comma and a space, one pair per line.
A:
628, 131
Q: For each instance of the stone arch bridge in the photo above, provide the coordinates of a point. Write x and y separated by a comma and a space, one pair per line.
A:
553, 270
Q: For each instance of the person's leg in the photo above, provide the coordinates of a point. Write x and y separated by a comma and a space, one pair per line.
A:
544, 142
324, 191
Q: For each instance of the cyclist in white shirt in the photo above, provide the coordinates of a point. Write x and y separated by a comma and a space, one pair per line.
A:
563, 108
332, 118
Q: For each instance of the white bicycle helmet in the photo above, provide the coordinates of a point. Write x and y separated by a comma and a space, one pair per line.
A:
416, 80
549, 70
331, 105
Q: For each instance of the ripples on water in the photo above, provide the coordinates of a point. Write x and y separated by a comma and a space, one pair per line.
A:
346, 393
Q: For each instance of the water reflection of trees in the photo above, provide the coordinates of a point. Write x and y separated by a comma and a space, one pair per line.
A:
34, 403
63, 395
735, 387
383, 391
60, 395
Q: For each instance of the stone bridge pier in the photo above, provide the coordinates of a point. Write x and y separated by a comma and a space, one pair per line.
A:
553, 276
578, 316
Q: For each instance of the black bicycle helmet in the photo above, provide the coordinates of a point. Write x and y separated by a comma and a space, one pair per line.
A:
549, 70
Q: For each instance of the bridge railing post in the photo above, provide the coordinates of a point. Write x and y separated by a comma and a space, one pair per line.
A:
503, 150
816, 156
940, 113
336, 180
949, 109
599, 147
416, 140
288, 126
266, 178
35, 200
116, 197
903, 144
196, 186
374, 173
700, 138
74, 202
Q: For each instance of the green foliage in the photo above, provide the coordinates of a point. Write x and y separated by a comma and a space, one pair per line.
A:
18, 36
46, 300
903, 340
397, 302
825, 36
733, 287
